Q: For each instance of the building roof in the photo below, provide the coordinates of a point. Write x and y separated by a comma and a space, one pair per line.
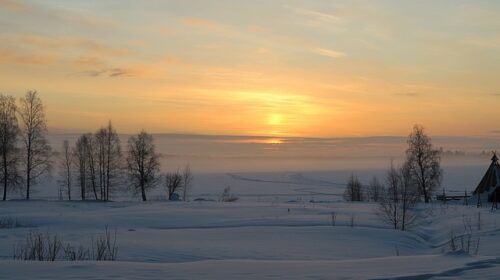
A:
491, 180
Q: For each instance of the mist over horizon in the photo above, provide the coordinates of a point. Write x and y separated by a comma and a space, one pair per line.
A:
230, 153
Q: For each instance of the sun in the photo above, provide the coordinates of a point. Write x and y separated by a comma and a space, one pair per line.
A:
274, 141
275, 119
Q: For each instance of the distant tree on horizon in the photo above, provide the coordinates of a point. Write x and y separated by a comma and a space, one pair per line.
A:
424, 162
374, 189
36, 149
143, 163
187, 181
354, 189
9, 150
173, 183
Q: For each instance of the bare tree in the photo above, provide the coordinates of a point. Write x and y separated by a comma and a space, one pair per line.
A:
91, 157
409, 196
389, 202
9, 151
37, 151
108, 153
65, 168
173, 183
187, 180
142, 163
424, 162
80, 163
374, 189
398, 198
354, 189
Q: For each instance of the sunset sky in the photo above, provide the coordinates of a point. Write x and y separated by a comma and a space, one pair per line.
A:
275, 68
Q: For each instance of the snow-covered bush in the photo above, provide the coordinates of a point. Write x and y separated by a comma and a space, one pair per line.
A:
227, 196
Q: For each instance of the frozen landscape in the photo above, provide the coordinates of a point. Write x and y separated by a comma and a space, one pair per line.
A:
254, 240
285, 224
237, 139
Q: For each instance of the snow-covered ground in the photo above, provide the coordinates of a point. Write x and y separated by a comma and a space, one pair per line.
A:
254, 240
281, 226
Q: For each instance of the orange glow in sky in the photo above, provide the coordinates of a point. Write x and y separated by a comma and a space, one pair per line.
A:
274, 68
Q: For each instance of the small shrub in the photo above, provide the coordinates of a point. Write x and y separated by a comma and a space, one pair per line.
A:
104, 248
47, 247
38, 247
76, 254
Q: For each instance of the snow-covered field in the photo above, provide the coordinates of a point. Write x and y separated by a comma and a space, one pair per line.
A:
280, 228
253, 240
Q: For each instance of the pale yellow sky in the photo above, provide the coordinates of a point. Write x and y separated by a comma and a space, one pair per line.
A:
279, 68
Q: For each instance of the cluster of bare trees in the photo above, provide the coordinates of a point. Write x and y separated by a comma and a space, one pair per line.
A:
356, 191
177, 184
24, 150
97, 167
399, 197
418, 178
94, 164
143, 168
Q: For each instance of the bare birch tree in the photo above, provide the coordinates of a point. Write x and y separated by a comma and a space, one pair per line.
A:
9, 151
108, 159
91, 158
389, 208
37, 151
409, 196
424, 162
187, 180
80, 163
374, 189
66, 168
354, 189
398, 199
143, 163
173, 183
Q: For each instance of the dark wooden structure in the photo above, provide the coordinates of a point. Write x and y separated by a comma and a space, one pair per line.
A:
489, 186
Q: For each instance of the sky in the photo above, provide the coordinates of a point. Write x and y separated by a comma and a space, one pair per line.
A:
274, 68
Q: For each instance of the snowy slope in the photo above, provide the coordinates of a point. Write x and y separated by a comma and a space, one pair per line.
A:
251, 240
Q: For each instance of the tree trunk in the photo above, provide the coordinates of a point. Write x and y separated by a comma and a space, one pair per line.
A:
28, 167
143, 191
28, 181
5, 175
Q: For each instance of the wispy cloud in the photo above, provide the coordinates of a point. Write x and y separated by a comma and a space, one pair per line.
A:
96, 67
113, 72
328, 53
72, 42
319, 17
8, 56
88, 20
200, 23
15, 6
408, 94
58, 13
